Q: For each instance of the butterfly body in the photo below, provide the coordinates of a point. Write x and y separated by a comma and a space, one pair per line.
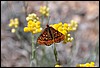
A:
50, 36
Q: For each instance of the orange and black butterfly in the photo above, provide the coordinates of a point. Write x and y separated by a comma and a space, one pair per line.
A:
50, 36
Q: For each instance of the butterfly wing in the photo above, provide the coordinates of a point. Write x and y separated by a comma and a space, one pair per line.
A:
45, 38
49, 36
58, 36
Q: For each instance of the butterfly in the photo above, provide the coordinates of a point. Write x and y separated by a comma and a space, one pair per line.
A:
50, 36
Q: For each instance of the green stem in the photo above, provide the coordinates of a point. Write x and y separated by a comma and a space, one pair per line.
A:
33, 51
42, 19
18, 34
55, 53
33, 47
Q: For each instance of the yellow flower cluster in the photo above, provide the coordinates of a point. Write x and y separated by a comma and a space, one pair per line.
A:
91, 64
14, 23
44, 10
33, 25
60, 27
73, 26
57, 65
65, 28
68, 38
32, 17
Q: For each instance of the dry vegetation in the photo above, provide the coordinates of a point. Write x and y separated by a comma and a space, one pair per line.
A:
85, 48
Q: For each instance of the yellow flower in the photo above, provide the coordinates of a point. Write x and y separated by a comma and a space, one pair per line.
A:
73, 26
32, 17
16, 26
27, 18
38, 22
64, 32
65, 25
37, 18
33, 25
68, 35
57, 65
47, 14
69, 28
11, 21
47, 9
10, 25
68, 39
16, 19
16, 23
38, 26
55, 26
60, 23
31, 29
26, 29
87, 65
34, 20
41, 8
71, 39
13, 24
33, 14
60, 29
33, 32
65, 29
13, 30
91, 64
30, 22
44, 10
39, 30
82, 65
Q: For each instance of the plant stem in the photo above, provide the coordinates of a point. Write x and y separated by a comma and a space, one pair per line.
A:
42, 20
18, 34
47, 3
33, 47
25, 6
33, 51
55, 53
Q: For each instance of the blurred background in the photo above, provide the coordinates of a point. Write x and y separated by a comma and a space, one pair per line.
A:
16, 52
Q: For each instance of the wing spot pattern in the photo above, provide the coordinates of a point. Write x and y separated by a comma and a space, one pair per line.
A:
46, 38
